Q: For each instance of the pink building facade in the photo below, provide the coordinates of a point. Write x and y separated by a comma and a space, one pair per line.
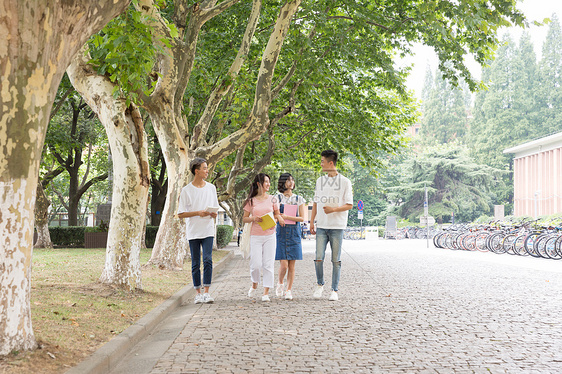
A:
537, 176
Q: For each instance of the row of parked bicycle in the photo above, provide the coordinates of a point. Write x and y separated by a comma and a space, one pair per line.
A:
524, 239
410, 232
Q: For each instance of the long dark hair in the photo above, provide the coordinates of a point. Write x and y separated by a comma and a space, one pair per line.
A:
283, 178
254, 188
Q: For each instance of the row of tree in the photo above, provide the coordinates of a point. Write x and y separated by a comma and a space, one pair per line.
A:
458, 154
213, 80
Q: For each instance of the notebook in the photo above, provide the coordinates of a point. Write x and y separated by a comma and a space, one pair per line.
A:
267, 221
291, 211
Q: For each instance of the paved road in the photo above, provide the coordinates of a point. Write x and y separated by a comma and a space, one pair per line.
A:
403, 308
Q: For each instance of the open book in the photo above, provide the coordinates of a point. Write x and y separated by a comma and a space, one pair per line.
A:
267, 221
212, 209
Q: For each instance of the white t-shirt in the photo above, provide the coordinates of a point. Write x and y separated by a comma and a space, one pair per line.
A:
291, 200
193, 199
333, 192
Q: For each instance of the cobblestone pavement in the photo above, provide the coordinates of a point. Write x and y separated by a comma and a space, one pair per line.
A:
403, 308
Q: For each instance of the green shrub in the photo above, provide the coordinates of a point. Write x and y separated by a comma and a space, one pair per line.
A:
224, 235
102, 227
67, 237
150, 238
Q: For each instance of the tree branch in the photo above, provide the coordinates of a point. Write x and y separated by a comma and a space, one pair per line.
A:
89, 184
87, 164
258, 120
61, 199
52, 174
61, 102
202, 127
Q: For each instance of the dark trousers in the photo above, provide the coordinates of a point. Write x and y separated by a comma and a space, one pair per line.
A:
195, 246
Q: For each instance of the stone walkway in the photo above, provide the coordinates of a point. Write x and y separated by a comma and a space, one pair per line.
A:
403, 308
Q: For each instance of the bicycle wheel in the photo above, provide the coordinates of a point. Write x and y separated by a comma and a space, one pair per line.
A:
481, 241
468, 243
540, 245
550, 248
558, 246
494, 243
519, 246
449, 241
529, 243
436, 240
457, 241
508, 242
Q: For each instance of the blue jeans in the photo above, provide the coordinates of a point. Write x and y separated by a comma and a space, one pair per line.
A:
195, 248
335, 237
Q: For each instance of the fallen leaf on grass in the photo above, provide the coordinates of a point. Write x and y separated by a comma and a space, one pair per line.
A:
51, 355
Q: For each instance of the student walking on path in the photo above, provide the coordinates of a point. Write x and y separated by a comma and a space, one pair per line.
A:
262, 242
333, 198
195, 199
289, 246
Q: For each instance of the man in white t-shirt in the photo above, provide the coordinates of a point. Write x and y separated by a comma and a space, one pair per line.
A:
333, 197
198, 203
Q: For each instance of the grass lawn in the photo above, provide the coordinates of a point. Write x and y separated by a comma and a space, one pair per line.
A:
73, 314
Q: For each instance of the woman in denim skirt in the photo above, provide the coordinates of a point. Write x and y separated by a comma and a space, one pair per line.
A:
289, 247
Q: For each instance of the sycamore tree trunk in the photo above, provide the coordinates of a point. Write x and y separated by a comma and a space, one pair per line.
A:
42, 219
38, 40
131, 174
165, 105
42, 210
177, 166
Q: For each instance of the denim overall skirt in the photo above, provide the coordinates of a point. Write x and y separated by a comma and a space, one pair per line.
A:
289, 246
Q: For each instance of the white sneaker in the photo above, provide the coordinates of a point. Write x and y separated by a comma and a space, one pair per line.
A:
207, 299
333, 296
318, 291
252, 292
288, 295
198, 298
279, 290
265, 298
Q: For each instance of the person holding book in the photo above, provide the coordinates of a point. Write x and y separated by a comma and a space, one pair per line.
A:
289, 246
262, 210
199, 204
333, 198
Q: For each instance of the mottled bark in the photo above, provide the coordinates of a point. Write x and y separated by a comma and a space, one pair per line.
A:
131, 175
38, 40
42, 219
159, 184
177, 165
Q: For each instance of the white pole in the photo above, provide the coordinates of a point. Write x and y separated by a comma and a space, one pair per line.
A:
426, 213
